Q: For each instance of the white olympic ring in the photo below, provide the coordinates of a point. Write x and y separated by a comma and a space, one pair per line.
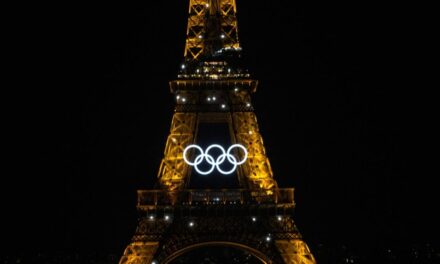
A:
215, 163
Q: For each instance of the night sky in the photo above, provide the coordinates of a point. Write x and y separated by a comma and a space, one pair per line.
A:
93, 110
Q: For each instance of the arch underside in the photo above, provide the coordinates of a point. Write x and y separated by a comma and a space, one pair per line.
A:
281, 251
163, 241
255, 253
292, 252
178, 245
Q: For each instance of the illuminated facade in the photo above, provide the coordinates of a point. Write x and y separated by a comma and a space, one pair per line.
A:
256, 216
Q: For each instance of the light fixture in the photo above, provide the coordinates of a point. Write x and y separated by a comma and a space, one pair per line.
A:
254, 219
223, 106
248, 104
167, 217
236, 89
200, 36
209, 99
151, 217
229, 70
250, 132
183, 66
178, 97
279, 218
207, 5
222, 36
213, 98
197, 70
268, 238
191, 224
183, 99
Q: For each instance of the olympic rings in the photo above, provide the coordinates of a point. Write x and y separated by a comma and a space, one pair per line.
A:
215, 163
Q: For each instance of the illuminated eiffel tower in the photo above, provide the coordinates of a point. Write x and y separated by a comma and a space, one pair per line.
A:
209, 198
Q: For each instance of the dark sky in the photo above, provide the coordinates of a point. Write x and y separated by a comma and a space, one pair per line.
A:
94, 109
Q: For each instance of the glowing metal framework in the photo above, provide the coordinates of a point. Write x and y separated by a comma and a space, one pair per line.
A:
212, 87
238, 114
197, 34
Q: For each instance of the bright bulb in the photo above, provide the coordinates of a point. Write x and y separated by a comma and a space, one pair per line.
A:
254, 219
183, 66
280, 218
213, 98
222, 36
268, 239
167, 218
223, 106
248, 104
191, 224
183, 99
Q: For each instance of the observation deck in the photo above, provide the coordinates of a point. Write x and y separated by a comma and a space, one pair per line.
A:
201, 199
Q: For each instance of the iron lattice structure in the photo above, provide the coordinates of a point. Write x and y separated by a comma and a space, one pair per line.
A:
214, 87
202, 31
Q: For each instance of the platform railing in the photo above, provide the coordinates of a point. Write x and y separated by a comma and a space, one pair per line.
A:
215, 197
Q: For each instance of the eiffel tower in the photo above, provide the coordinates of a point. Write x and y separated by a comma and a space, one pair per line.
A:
208, 198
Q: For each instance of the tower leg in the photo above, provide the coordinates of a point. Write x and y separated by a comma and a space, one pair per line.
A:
295, 251
139, 253
257, 167
173, 169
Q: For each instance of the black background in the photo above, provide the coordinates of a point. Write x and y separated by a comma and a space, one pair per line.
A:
92, 109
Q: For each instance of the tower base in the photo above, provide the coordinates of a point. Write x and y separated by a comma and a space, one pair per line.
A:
265, 230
